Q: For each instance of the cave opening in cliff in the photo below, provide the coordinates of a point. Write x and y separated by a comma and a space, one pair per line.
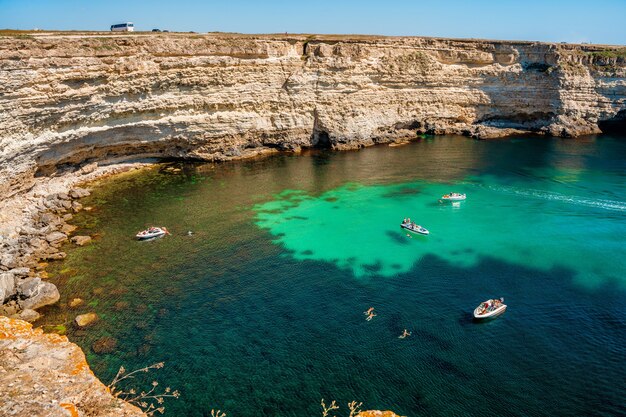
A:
616, 124
321, 140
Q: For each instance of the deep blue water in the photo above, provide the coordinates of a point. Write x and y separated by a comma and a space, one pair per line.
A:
260, 312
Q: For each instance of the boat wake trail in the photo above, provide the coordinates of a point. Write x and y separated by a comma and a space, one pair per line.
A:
604, 204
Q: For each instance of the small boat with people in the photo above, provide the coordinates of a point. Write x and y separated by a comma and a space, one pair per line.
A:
453, 197
489, 309
407, 224
151, 233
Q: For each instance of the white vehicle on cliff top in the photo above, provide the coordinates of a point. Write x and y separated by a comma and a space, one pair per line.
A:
123, 27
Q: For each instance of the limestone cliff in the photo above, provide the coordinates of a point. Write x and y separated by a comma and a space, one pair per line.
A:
46, 375
70, 98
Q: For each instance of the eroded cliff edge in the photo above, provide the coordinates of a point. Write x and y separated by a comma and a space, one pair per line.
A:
46, 375
70, 98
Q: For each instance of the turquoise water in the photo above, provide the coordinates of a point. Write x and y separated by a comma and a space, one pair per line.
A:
260, 311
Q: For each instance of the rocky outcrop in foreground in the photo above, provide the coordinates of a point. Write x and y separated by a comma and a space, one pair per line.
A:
46, 375
70, 98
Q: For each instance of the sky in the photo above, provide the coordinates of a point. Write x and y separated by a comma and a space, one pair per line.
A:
596, 21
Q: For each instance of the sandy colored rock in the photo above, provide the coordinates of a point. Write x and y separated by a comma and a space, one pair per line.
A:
33, 293
56, 238
81, 240
54, 256
45, 375
76, 302
27, 315
78, 192
7, 286
377, 413
68, 228
84, 320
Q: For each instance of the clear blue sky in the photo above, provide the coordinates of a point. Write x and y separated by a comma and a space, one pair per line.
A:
597, 21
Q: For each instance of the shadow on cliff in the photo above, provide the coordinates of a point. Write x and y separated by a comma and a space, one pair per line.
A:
616, 124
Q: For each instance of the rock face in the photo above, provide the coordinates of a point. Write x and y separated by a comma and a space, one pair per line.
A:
45, 375
65, 100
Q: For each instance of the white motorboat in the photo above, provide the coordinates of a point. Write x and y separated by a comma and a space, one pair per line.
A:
151, 233
489, 309
414, 228
453, 197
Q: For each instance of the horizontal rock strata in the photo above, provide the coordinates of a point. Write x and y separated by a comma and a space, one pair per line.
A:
67, 99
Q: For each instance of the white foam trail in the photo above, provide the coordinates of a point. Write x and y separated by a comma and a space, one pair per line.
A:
612, 205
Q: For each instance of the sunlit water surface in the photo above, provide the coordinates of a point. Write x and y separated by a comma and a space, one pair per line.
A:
260, 311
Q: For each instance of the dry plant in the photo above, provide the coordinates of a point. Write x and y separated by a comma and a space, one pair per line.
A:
354, 408
326, 410
149, 401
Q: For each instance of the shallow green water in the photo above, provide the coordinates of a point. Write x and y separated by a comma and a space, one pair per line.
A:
259, 312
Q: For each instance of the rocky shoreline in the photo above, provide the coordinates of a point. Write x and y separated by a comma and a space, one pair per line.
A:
33, 227
44, 374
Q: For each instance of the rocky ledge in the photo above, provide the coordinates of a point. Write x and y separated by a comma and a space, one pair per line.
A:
46, 375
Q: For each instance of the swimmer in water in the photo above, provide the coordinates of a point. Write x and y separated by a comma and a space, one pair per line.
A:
371, 316
404, 334
369, 311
